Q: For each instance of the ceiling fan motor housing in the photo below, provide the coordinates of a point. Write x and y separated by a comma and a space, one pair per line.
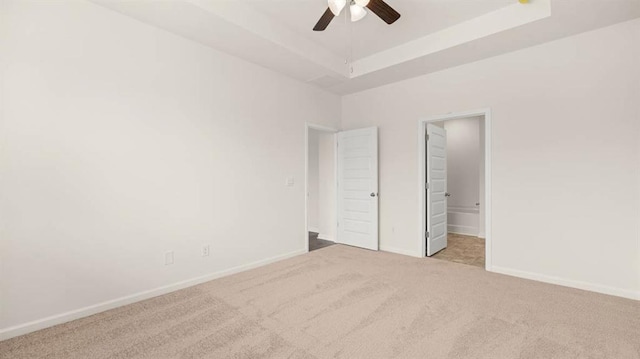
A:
357, 10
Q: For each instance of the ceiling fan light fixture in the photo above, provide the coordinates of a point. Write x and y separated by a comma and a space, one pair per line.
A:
357, 12
336, 6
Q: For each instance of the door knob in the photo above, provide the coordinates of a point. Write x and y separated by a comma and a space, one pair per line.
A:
372, 194
447, 194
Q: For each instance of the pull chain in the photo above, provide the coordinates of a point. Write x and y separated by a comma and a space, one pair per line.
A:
349, 56
350, 43
346, 55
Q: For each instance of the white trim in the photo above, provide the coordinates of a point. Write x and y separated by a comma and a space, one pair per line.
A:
321, 128
463, 209
463, 230
404, 252
487, 165
335, 184
29, 327
305, 243
619, 292
310, 126
487, 191
313, 229
467, 230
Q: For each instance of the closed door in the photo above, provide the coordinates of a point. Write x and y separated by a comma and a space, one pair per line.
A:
436, 169
358, 188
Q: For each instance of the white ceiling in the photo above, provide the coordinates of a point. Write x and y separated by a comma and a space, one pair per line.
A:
371, 34
431, 35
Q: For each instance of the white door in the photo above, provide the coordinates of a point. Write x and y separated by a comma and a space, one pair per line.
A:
436, 189
358, 188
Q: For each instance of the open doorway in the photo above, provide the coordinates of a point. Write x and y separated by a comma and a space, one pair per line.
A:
455, 168
341, 205
321, 187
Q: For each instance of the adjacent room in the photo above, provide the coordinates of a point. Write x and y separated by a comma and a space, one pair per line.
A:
320, 179
321, 187
456, 211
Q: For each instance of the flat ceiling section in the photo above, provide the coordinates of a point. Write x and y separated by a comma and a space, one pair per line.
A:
349, 57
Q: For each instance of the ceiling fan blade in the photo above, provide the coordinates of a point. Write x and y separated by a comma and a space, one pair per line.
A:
384, 11
324, 21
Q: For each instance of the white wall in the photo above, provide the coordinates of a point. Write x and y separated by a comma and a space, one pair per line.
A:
313, 181
327, 186
463, 161
463, 174
565, 160
121, 142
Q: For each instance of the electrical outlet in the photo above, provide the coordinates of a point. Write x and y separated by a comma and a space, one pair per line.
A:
289, 181
205, 251
168, 258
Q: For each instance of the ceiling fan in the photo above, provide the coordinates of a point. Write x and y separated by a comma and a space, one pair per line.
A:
357, 10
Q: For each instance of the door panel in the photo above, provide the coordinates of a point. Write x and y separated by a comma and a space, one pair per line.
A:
358, 188
437, 180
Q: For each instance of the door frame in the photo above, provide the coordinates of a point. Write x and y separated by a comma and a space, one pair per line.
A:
311, 126
422, 148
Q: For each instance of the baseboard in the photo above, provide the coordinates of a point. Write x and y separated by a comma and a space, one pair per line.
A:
400, 251
326, 238
618, 292
463, 209
464, 230
313, 229
32, 326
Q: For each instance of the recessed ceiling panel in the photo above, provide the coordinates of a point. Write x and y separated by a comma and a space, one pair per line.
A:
371, 35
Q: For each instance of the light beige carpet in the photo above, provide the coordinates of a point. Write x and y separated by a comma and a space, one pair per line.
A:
343, 302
